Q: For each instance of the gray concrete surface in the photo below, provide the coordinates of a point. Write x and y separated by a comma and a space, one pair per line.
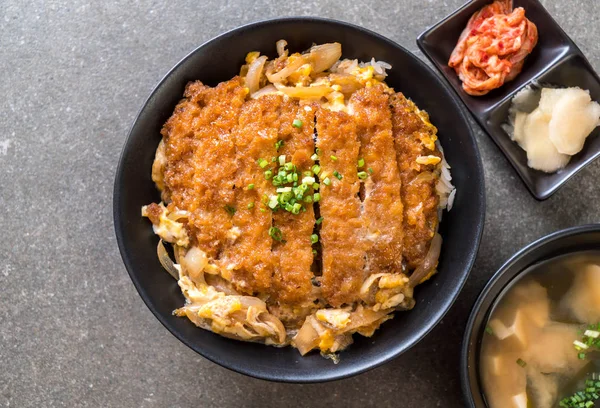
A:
73, 331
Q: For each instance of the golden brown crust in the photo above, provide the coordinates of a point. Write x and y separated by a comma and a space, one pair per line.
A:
200, 153
342, 230
413, 137
292, 279
249, 256
153, 212
382, 206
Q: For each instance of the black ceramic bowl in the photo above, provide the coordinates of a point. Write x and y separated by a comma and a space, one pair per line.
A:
560, 243
219, 60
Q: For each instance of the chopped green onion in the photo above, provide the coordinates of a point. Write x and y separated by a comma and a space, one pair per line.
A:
370, 170
251, 205
308, 180
308, 199
489, 330
319, 220
288, 166
334, 158
591, 333
273, 202
522, 363
296, 208
275, 233
362, 175
584, 398
282, 160
278, 144
314, 252
316, 186
361, 162
316, 197
284, 189
327, 181
262, 210
263, 163
316, 169
580, 345
314, 157
268, 174
273, 159
297, 123
314, 238
285, 196
337, 174
231, 210
251, 186
581, 356
307, 173
318, 150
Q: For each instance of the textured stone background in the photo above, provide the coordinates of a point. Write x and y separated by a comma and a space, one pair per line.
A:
73, 331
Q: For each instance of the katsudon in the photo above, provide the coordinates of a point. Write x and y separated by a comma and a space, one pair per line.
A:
301, 199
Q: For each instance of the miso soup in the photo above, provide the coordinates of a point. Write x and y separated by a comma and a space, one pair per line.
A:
541, 346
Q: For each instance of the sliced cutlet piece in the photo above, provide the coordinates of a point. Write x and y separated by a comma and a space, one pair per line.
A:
382, 206
342, 232
248, 252
414, 140
200, 159
293, 274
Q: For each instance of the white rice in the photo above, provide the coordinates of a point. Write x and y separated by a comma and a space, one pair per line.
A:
444, 187
348, 66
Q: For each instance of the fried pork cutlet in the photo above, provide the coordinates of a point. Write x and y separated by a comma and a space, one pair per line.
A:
342, 230
382, 206
293, 274
200, 160
414, 140
249, 255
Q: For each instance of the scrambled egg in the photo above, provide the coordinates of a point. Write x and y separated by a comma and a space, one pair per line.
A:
431, 159
169, 229
334, 317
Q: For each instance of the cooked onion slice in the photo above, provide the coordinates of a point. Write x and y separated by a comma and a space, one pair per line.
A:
193, 264
293, 64
429, 263
266, 90
255, 71
280, 45
324, 56
166, 261
307, 337
424, 177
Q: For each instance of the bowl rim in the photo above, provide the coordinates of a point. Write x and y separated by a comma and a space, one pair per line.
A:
469, 340
375, 361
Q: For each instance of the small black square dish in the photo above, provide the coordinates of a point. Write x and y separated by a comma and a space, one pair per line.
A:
555, 61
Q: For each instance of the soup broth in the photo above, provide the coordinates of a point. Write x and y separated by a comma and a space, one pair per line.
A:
542, 339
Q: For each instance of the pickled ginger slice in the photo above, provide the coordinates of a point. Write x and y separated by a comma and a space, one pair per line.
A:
542, 154
574, 117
